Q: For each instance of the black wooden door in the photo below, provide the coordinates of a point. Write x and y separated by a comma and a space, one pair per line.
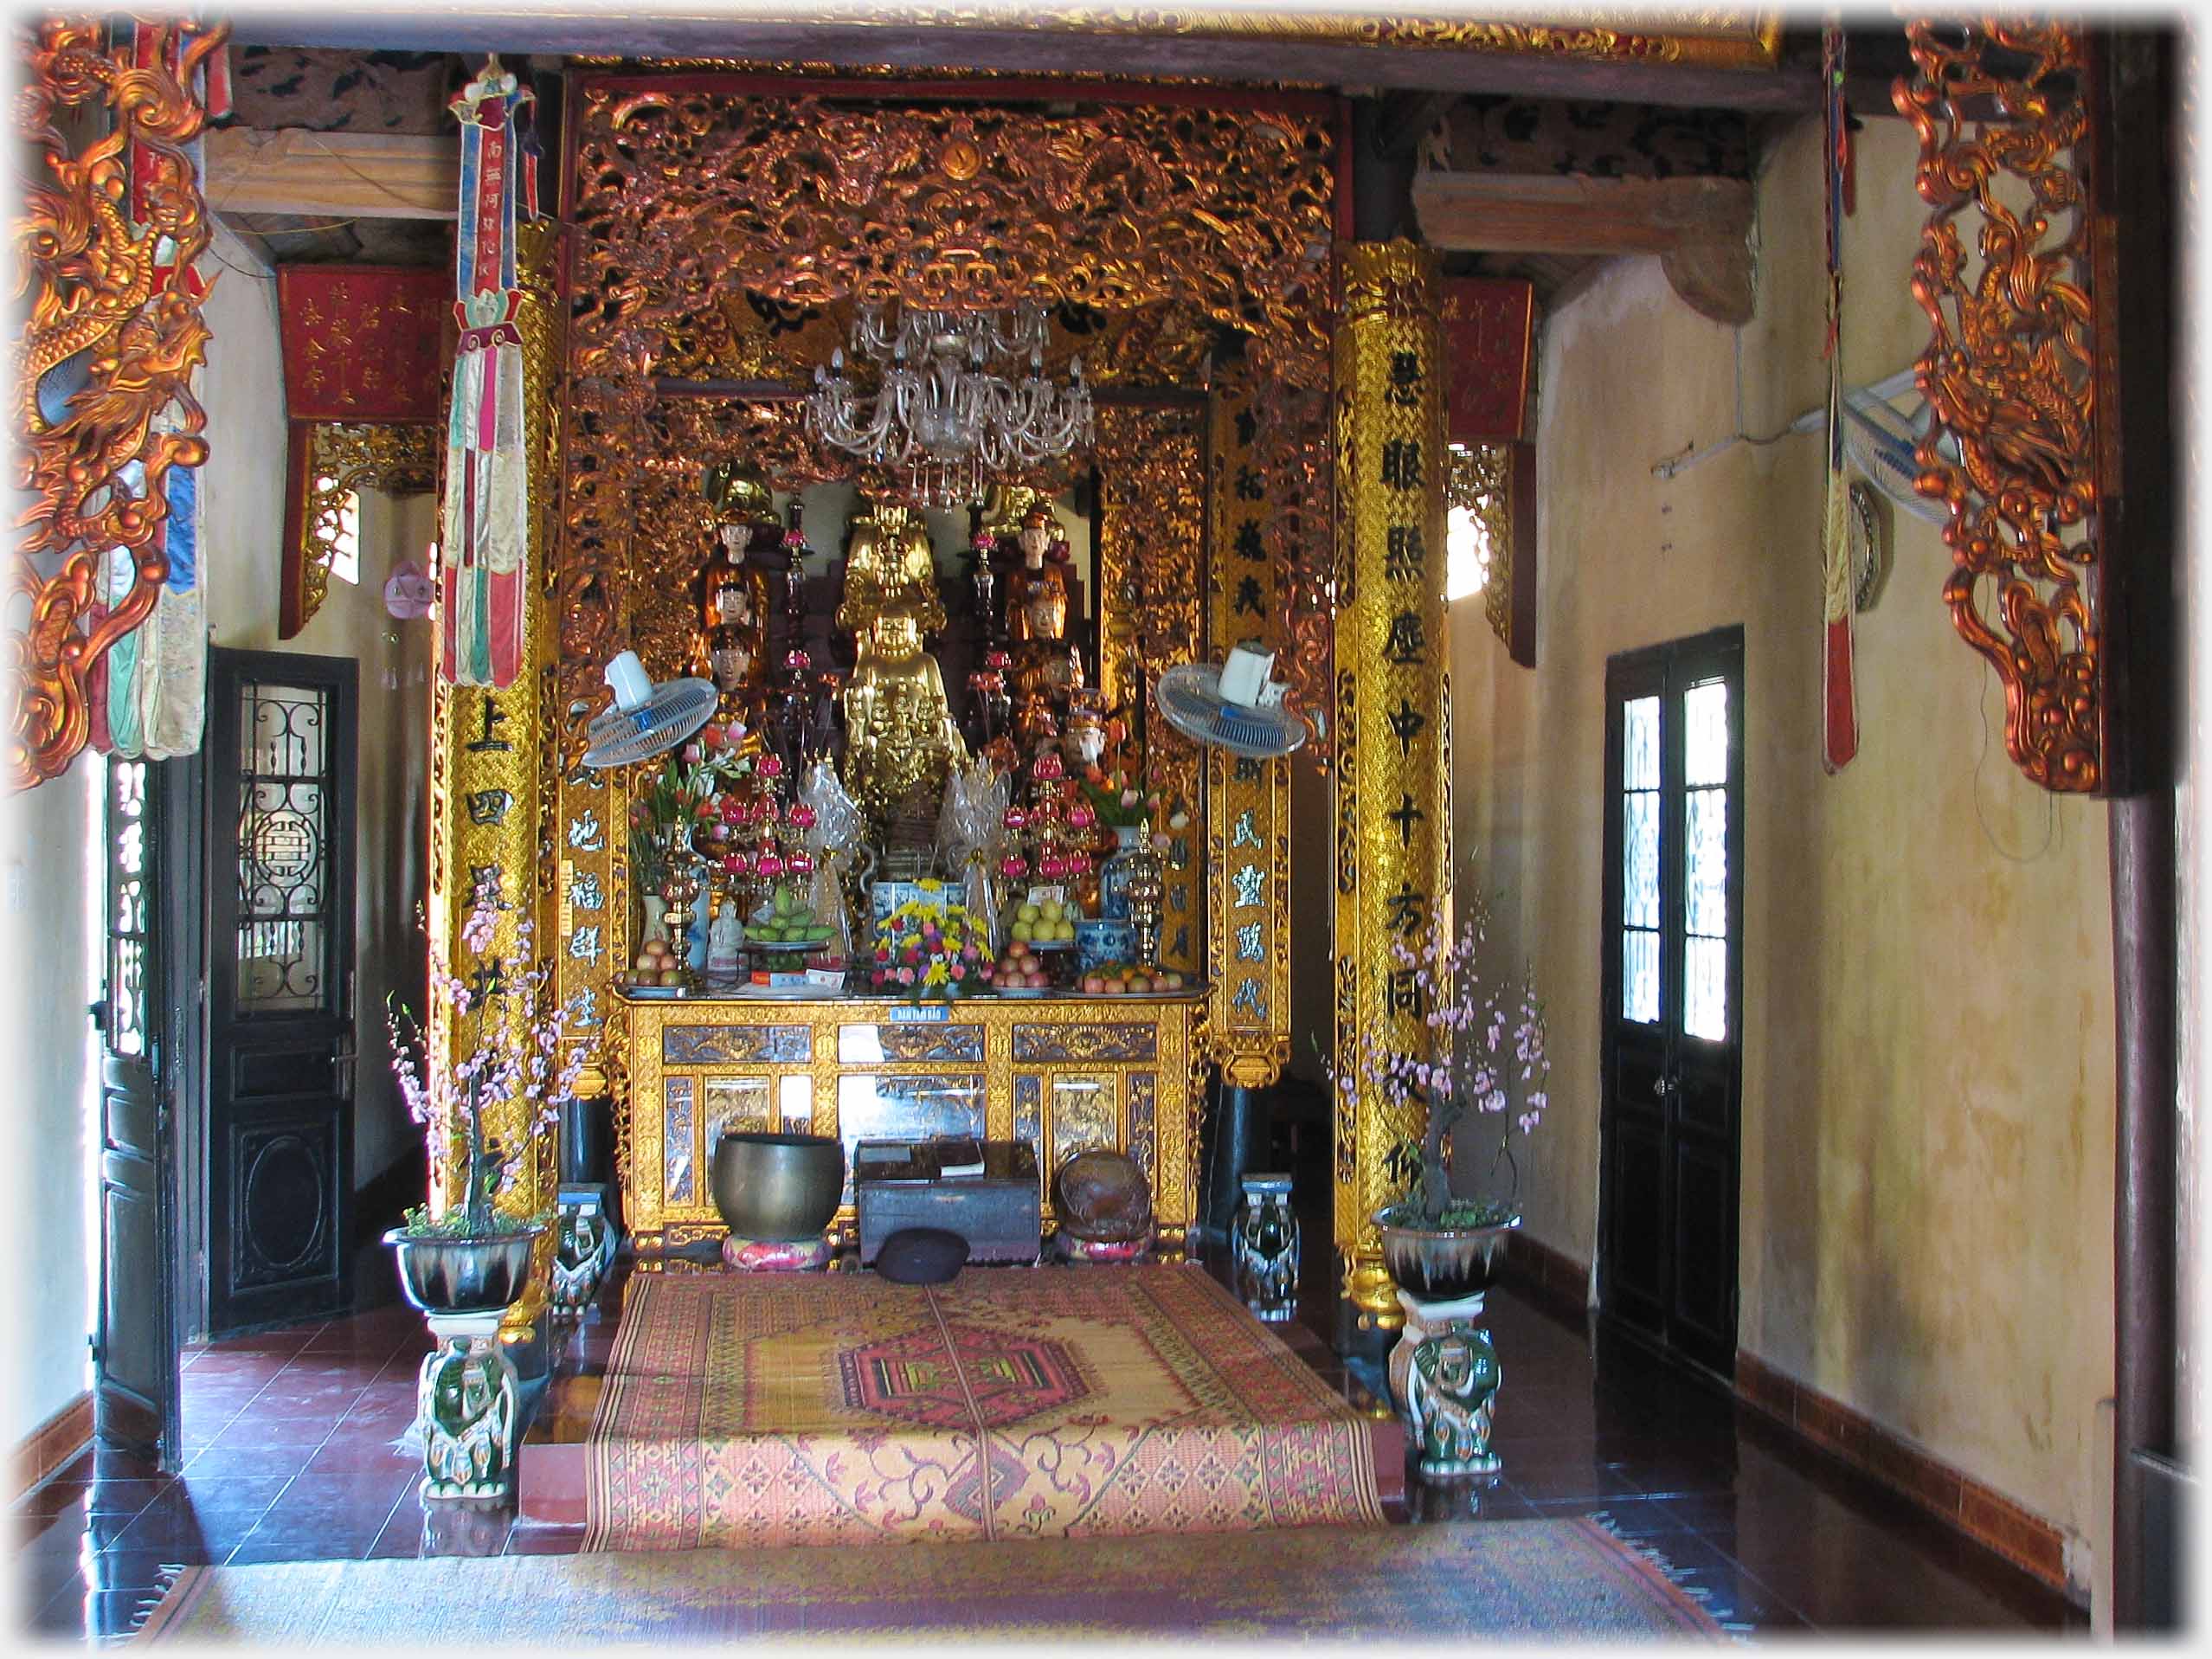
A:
1672, 1065
280, 1016
135, 1371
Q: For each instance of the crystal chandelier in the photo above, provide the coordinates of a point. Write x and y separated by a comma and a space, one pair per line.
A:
939, 414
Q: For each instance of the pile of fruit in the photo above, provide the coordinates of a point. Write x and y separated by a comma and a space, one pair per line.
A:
1020, 968
1047, 923
787, 921
1119, 980
656, 964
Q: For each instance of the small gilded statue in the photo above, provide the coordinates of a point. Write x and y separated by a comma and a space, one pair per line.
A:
899, 732
1450, 1390
733, 594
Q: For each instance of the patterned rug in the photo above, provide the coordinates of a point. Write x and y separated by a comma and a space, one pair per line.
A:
741, 1411
1524, 1580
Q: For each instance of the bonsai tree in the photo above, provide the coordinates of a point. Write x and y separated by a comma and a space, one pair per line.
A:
1483, 1058
505, 1043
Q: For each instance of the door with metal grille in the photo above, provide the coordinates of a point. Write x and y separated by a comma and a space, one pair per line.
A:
280, 1016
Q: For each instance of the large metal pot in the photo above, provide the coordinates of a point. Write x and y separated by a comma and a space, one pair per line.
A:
463, 1276
777, 1187
1441, 1264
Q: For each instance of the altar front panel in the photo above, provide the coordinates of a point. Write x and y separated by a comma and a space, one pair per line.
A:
1064, 1074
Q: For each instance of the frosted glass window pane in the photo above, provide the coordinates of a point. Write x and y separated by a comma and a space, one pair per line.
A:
1640, 743
1640, 976
1705, 734
1705, 989
796, 1098
1708, 838
1640, 858
676, 1141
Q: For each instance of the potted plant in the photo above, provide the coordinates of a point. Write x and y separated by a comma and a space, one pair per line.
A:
1484, 1063
505, 1045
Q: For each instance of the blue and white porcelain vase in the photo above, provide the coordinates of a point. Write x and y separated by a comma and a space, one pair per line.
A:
1114, 874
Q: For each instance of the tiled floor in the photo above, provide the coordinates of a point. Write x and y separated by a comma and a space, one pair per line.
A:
288, 1441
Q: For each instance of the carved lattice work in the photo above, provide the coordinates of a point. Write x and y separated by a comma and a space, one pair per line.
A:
1185, 222
106, 247
342, 460
2010, 372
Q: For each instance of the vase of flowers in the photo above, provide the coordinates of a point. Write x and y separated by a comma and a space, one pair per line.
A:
1484, 1063
505, 1045
685, 816
928, 950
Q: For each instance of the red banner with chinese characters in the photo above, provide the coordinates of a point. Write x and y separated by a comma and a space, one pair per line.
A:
1489, 330
363, 343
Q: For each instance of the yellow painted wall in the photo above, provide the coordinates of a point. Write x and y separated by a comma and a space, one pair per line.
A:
1926, 1183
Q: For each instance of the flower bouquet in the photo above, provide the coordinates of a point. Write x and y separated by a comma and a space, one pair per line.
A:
1483, 1054
506, 1041
925, 950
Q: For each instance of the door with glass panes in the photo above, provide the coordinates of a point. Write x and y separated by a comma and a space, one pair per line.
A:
1672, 1065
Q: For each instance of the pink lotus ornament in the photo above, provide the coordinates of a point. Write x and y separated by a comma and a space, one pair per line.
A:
1081, 817
769, 864
739, 863
771, 766
1016, 818
1049, 769
801, 863
1015, 866
802, 816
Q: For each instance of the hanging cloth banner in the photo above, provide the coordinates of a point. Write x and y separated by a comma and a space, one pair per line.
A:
150, 701
484, 547
1839, 690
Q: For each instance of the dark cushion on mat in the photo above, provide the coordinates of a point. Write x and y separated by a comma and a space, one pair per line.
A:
921, 1256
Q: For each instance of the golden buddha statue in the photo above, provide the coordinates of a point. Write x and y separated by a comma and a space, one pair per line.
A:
888, 560
1005, 508
899, 734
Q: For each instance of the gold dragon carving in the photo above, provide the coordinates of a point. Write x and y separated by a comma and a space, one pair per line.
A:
102, 294
2010, 372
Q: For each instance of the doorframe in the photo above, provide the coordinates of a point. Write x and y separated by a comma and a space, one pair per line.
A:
184, 966
1727, 640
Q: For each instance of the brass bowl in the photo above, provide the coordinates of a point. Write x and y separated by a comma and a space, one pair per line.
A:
777, 1187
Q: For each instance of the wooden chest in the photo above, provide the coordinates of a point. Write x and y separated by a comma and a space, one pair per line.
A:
901, 1183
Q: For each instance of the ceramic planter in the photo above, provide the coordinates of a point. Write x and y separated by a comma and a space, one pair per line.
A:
450, 1277
1441, 1264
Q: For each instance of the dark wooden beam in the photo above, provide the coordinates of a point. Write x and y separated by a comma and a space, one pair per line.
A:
1286, 58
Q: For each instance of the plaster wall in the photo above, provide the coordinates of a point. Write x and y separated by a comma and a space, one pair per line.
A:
1927, 1147
49, 851
245, 481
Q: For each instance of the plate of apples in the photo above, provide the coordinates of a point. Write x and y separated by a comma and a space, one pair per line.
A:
1020, 971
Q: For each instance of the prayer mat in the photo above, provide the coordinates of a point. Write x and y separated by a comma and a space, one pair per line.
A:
1516, 1579
742, 1411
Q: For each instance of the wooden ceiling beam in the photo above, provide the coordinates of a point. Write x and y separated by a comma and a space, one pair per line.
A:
1700, 226
351, 175
1289, 57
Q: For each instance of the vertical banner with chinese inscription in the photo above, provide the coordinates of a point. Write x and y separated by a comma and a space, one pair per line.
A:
1393, 737
1248, 800
490, 794
484, 542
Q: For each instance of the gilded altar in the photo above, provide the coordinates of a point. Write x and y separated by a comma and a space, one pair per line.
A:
1064, 1074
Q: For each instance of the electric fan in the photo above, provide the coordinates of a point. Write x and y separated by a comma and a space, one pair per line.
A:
1234, 707
1879, 442
647, 719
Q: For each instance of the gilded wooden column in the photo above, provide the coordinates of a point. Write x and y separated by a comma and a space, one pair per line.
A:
1248, 801
1393, 736
491, 777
